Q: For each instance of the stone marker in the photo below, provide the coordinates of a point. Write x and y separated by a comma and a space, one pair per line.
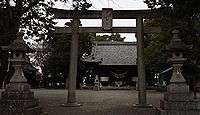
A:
96, 86
18, 99
178, 100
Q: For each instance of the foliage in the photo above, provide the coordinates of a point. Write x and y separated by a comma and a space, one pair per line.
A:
58, 58
180, 7
112, 37
33, 17
81, 5
185, 11
86, 43
182, 15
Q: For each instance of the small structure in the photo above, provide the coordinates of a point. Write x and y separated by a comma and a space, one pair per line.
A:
114, 62
96, 83
18, 99
178, 100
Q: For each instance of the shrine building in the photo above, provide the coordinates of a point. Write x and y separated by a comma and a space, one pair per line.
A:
114, 62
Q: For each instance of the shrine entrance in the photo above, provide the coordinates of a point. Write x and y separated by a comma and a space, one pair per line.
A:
112, 64
107, 15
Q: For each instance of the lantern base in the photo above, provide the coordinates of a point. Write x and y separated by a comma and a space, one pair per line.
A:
178, 100
19, 99
75, 104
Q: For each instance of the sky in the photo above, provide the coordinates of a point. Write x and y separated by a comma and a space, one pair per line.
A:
116, 5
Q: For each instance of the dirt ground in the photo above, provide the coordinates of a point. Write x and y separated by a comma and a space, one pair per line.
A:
104, 102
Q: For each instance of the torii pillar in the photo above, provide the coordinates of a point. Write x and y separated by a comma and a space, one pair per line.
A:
141, 66
71, 99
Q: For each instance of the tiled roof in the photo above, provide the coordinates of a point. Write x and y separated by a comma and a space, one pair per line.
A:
113, 53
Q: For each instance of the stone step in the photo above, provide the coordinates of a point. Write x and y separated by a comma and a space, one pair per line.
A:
16, 106
142, 111
160, 111
178, 88
16, 87
180, 105
35, 111
30, 111
21, 95
178, 96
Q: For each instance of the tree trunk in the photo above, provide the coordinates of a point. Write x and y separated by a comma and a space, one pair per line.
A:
3, 67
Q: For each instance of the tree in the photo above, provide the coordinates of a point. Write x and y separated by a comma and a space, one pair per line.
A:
112, 37
59, 56
182, 15
32, 16
180, 11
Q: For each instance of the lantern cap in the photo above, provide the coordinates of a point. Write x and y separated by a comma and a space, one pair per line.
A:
176, 43
18, 45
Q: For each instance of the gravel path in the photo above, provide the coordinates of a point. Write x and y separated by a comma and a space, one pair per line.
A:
104, 102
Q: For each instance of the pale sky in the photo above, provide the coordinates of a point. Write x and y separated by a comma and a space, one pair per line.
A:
116, 5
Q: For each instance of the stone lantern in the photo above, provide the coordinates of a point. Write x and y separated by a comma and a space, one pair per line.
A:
177, 48
17, 97
18, 50
178, 100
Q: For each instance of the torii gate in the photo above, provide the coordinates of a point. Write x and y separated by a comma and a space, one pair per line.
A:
107, 14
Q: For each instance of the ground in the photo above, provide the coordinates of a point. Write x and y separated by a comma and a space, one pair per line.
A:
104, 102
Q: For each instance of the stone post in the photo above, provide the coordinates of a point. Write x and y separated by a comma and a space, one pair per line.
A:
71, 100
18, 99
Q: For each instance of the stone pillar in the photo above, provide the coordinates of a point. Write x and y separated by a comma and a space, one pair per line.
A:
71, 100
18, 99
141, 65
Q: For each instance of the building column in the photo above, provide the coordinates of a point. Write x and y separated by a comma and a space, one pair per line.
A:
141, 65
71, 100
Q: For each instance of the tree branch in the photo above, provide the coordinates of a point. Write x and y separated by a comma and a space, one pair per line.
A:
31, 5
